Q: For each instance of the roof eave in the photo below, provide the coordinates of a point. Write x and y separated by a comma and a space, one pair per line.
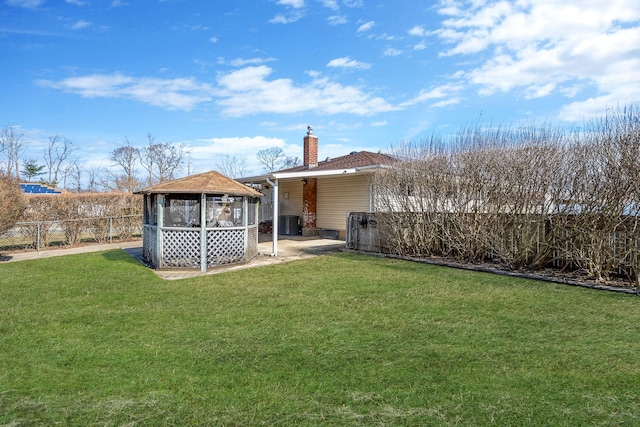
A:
166, 191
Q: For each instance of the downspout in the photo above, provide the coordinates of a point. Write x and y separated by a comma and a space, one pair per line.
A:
274, 226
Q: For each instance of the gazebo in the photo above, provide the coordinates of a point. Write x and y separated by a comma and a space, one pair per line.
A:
199, 221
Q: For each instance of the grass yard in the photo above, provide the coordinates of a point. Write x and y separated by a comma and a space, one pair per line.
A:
98, 339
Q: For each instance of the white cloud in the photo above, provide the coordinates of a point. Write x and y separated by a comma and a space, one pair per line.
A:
213, 40
539, 91
366, 26
379, 124
80, 25
417, 31
242, 92
242, 144
239, 62
446, 102
352, 3
420, 46
392, 52
447, 94
119, 3
206, 153
297, 4
27, 4
331, 4
576, 48
290, 18
337, 20
346, 62
172, 94
248, 91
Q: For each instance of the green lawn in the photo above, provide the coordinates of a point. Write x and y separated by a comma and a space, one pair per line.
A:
98, 339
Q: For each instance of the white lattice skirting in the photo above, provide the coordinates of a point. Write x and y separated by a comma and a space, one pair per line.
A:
181, 248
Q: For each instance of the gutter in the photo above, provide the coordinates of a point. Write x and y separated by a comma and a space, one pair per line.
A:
310, 173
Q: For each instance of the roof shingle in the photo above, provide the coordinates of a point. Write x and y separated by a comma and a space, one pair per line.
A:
354, 160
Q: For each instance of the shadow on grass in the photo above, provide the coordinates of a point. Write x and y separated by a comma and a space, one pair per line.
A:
130, 255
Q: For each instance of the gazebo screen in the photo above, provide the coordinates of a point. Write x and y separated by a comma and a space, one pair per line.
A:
181, 210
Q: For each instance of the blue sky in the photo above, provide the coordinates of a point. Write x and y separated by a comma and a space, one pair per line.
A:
237, 76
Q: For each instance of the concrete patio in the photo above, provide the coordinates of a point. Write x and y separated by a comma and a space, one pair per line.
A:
290, 248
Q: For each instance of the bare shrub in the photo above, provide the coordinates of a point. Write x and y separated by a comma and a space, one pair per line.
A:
73, 214
12, 203
603, 197
68, 208
38, 220
525, 197
414, 194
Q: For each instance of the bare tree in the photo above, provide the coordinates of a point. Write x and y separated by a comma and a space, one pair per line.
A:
161, 160
11, 145
290, 162
75, 172
170, 160
147, 157
93, 176
271, 158
126, 157
232, 166
274, 159
55, 156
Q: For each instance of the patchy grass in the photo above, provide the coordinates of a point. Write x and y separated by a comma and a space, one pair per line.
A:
98, 339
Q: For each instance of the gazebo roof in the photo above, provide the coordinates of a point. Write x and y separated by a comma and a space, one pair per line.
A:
209, 183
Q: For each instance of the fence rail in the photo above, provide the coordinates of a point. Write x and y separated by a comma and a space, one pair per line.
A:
37, 235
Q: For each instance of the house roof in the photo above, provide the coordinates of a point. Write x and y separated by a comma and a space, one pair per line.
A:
354, 162
356, 159
209, 183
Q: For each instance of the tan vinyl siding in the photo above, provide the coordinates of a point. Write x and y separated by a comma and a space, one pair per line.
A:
292, 205
339, 195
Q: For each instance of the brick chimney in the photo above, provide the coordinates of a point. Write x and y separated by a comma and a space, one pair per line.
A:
310, 185
310, 153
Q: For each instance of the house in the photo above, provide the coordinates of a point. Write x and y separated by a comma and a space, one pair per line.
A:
315, 198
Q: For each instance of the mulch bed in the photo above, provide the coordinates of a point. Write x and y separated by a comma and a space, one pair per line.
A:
572, 278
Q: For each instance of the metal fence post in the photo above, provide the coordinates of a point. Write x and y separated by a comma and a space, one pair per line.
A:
38, 238
110, 229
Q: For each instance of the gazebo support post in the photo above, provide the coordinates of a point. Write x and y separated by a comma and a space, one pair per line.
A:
159, 225
203, 233
245, 224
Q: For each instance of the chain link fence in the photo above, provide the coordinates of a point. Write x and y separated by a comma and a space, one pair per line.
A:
38, 235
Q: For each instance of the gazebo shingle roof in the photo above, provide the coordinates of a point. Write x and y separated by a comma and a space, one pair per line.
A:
209, 182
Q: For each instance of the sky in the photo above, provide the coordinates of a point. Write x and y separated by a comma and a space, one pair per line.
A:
232, 77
